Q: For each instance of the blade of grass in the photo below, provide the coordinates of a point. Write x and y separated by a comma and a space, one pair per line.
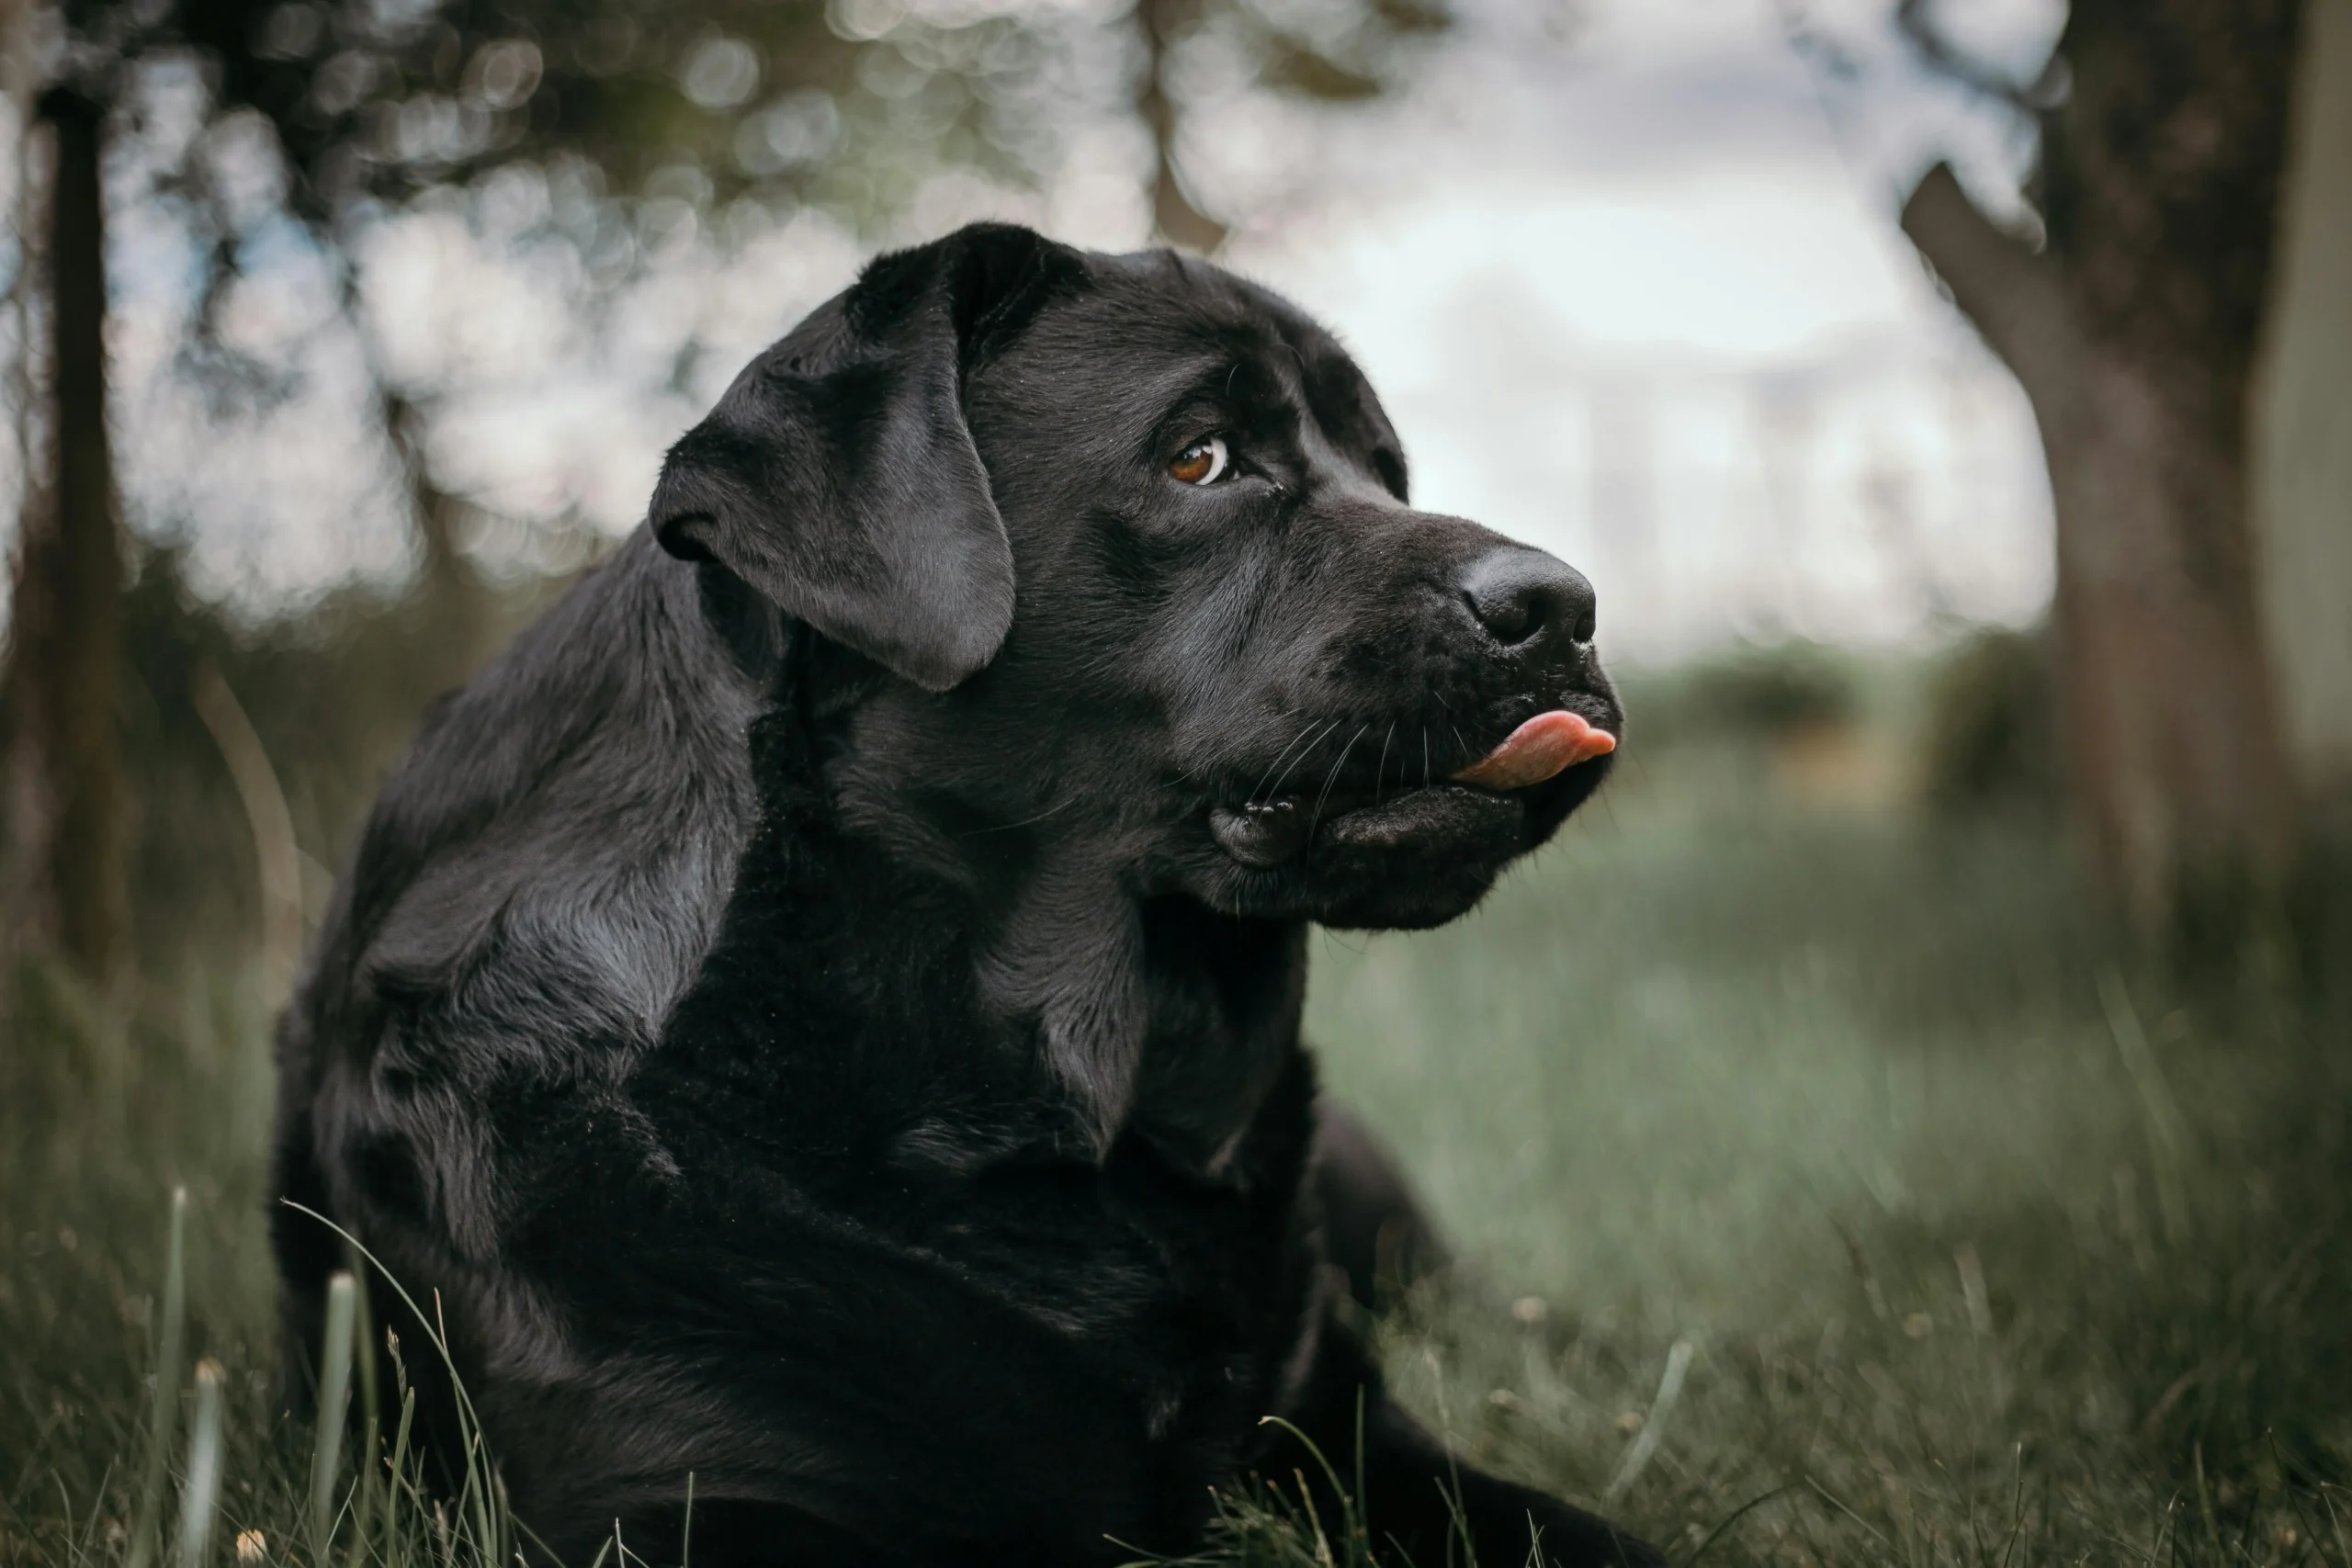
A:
469, 1423
2167, 1142
370, 1492
1837, 1503
1638, 1458
163, 1418
98, 1507
476, 1489
2205, 1502
334, 1396
2335, 1523
1723, 1525
1309, 1444
1359, 1515
395, 1482
485, 1534
200, 1492
1450, 1488
1314, 1519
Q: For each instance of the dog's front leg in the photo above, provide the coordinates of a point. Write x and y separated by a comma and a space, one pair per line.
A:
1415, 1494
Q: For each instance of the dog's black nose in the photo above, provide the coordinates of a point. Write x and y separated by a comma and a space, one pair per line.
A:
1517, 593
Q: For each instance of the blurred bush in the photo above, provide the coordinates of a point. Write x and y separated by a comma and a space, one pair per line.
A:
1967, 731
1753, 693
332, 697
1989, 726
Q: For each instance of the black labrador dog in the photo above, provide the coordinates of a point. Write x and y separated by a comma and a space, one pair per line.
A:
820, 1013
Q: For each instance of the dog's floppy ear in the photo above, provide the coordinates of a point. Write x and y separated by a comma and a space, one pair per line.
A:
837, 475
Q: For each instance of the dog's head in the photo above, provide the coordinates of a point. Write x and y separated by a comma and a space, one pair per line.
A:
1120, 551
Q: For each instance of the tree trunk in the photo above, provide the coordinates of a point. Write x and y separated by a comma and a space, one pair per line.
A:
442, 570
1173, 217
2302, 428
2133, 336
69, 804
455, 609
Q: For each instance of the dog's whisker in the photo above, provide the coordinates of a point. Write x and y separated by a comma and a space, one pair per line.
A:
1332, 777
1305, 736
1379, 771
1323, 735
1277, 763
1260, 792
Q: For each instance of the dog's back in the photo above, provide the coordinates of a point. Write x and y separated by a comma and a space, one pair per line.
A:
536, 885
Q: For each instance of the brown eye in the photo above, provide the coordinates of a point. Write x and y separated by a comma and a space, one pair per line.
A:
1201, 463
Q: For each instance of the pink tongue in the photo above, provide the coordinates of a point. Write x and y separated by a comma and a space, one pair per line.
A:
1547, 744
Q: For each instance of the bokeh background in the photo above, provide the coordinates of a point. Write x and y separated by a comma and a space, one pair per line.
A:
1903, 1119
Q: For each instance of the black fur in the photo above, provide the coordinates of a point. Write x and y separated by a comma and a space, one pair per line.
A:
822, 1010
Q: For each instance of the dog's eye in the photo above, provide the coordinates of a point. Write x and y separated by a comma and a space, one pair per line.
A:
1201, 463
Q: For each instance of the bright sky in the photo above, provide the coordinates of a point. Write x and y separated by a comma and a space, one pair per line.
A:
1639, 298
1631, 288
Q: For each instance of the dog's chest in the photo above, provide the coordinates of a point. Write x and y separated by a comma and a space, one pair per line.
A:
1176, 1293
852, 1128
1146, 1242
1179, 1297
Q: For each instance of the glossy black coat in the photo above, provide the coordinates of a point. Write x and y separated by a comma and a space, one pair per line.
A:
822, 1010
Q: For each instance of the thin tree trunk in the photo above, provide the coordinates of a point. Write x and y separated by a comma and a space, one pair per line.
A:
1173, 215
449, 599
2134, 337
69, 805
442, 570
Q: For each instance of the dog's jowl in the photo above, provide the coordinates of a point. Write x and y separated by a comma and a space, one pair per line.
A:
820, 1015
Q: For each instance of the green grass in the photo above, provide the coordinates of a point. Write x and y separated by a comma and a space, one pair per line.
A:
1974, 1243
1986, 1251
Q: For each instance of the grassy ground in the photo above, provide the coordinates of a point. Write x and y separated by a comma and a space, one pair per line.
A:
1828, 1194
1985, 1248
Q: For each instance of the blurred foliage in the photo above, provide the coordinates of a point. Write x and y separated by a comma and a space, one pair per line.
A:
1990, 725
1967, 729
332, 698
372, 103
1748, 693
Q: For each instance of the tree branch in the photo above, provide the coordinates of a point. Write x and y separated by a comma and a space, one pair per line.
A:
2013, 298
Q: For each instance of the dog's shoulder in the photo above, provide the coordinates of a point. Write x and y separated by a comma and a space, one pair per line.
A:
547, 864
